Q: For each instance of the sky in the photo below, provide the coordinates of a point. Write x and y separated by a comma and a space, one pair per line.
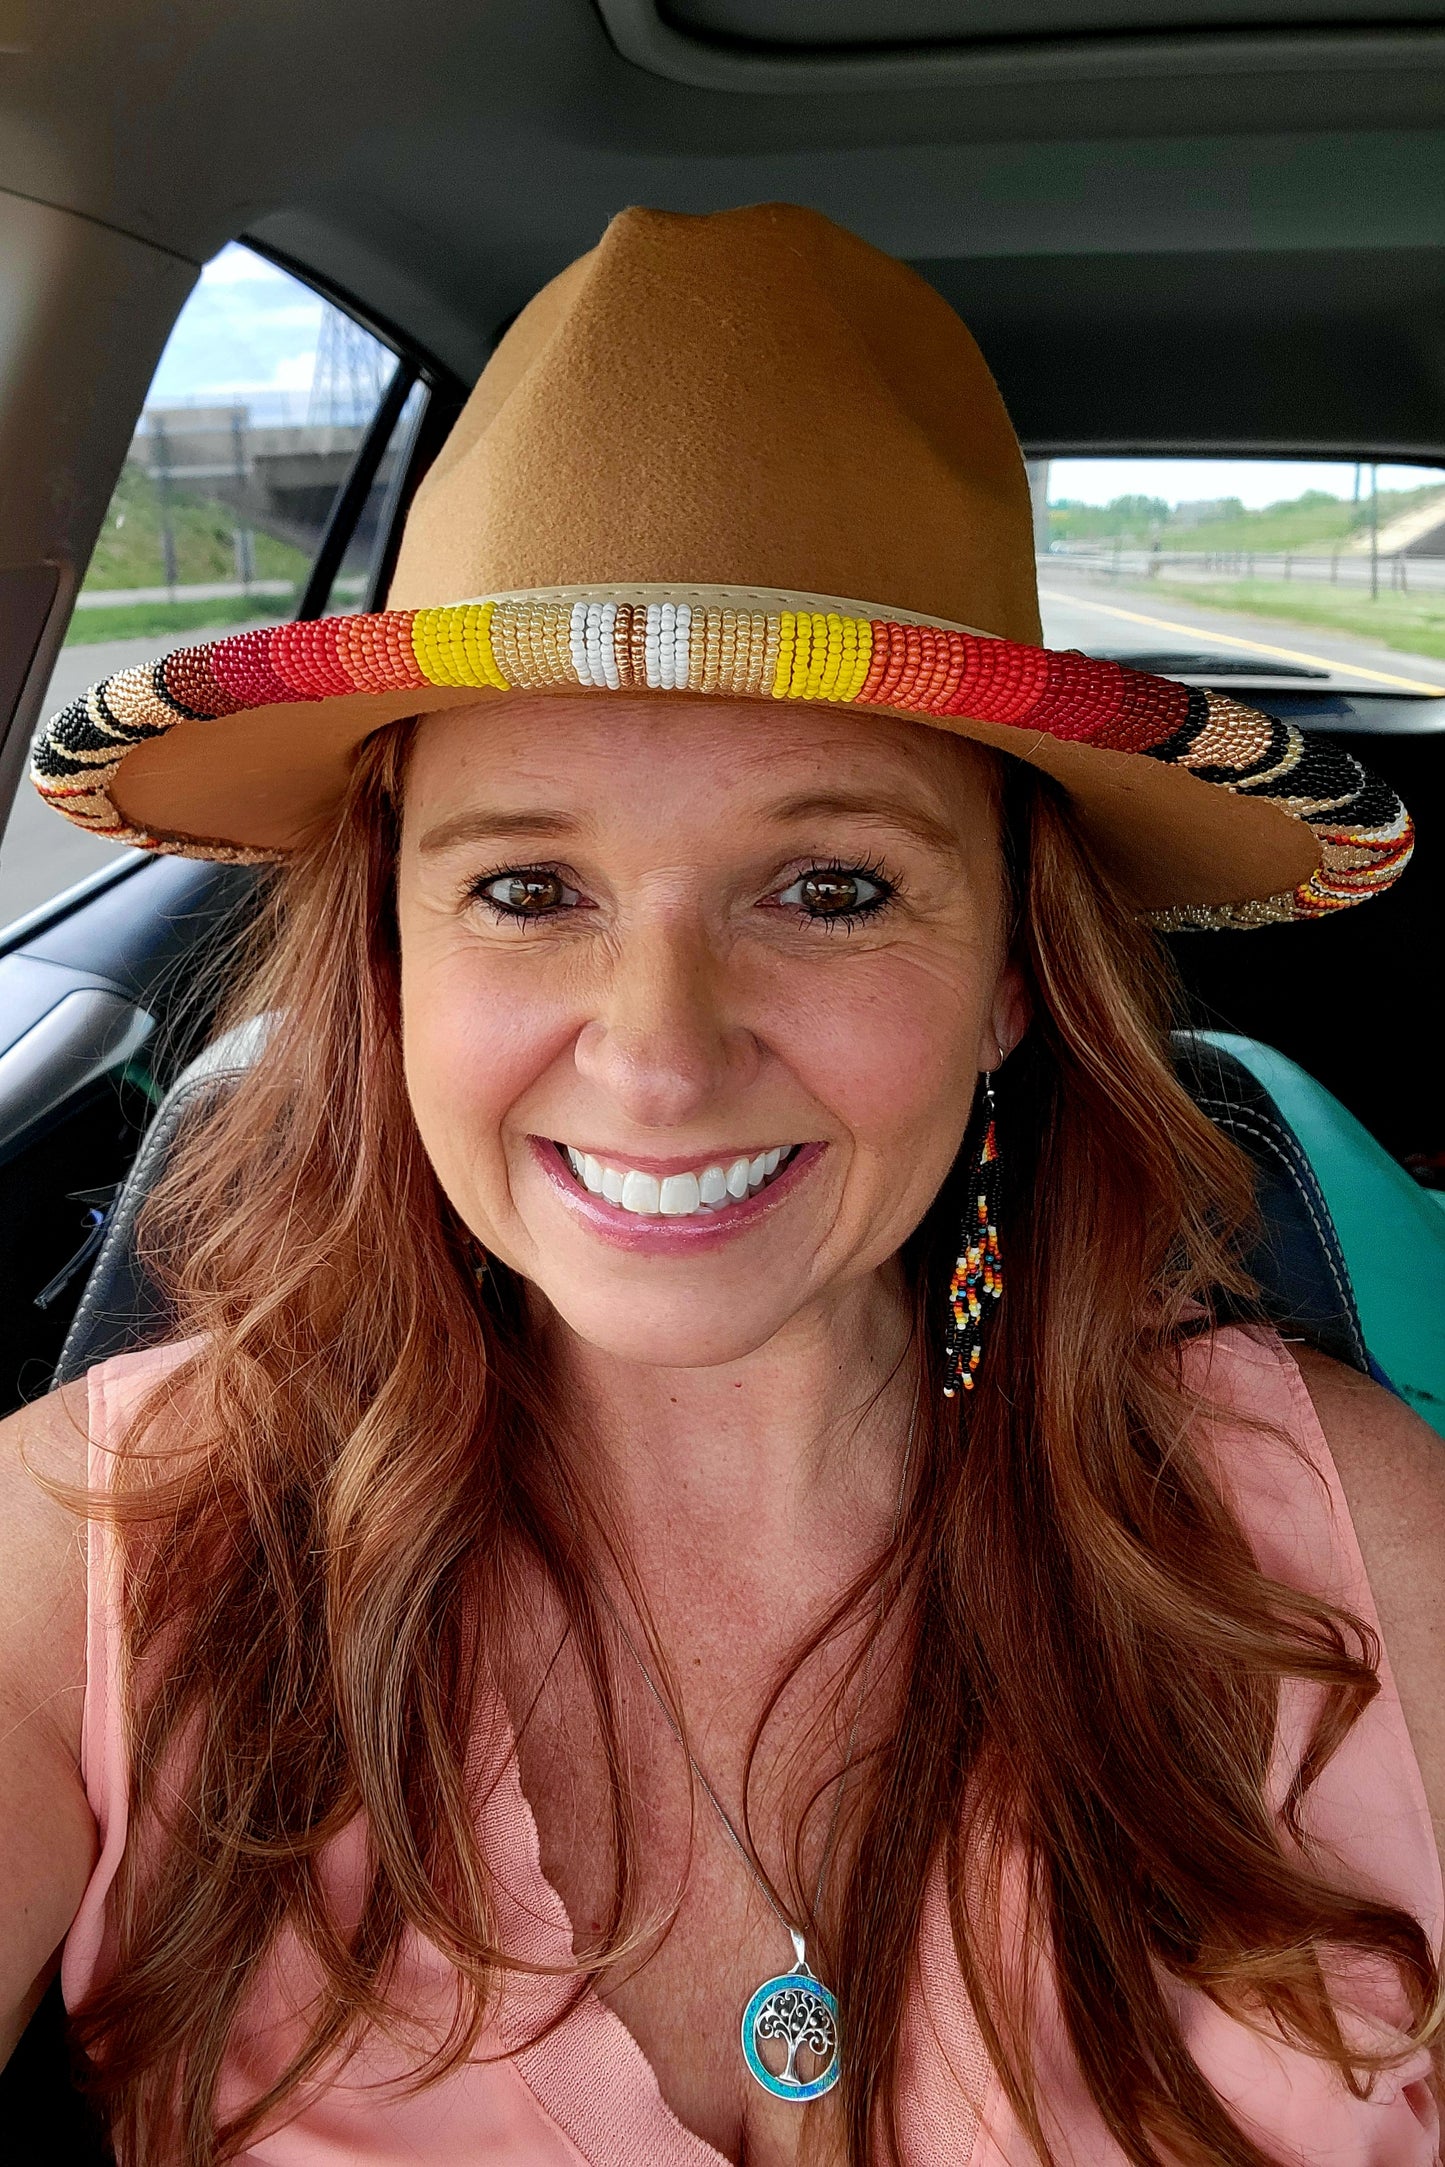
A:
1256, 482
249, 331
247, 327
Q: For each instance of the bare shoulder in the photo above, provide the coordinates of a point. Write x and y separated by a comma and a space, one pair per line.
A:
47, 1831
42, 1557
1392, 1470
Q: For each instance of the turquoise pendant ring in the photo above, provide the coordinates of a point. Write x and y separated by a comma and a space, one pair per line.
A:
796, 2012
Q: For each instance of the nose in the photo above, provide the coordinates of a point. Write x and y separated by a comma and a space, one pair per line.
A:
662, 1045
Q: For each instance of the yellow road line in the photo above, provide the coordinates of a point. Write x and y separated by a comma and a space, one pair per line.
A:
1231, 639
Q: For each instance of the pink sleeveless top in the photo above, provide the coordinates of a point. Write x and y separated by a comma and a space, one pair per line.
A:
585, 2093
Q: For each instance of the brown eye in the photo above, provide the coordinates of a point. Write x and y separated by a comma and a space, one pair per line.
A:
526, 894
835, 891
826, 893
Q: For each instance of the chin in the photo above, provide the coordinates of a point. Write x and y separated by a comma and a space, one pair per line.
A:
683, 1335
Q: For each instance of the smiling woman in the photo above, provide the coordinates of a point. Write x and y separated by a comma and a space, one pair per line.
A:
804, 922
722, 1566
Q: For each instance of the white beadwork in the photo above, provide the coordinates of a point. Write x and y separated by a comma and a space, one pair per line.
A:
577, 641
668, 641
590, 638
601, 643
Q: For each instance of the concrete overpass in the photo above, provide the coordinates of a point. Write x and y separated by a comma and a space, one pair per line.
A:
279, 477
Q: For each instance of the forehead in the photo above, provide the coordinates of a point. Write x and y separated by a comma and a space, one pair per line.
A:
599, 753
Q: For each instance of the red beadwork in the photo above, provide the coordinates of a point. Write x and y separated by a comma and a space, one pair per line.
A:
1153, 709
304, 657
1002, 682
243, 666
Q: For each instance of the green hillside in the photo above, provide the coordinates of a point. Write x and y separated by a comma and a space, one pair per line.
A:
167, 621
1315, 522
129, 552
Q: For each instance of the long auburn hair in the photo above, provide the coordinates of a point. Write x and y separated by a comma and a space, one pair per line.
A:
1093, 1659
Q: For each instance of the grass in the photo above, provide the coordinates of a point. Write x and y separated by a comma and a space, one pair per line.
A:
1412, 624
155, 620
1312, 524
129, 552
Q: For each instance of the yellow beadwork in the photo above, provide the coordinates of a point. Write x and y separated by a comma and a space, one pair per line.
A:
821, 658
454, 646
782, 674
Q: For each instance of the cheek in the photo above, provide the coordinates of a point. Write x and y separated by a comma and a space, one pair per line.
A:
475, 1038
889, 1044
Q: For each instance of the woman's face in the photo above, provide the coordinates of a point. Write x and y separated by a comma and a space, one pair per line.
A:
694, 999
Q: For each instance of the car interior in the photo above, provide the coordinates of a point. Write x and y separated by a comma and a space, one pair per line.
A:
1183, 228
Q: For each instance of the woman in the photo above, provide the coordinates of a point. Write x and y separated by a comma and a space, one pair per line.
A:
703, 1578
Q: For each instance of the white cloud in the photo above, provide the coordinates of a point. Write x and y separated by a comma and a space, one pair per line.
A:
1256, 482
293, 373
237, 265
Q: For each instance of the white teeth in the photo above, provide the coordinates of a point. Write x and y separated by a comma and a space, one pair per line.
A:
641, 1193
680, 1194
713, 1187
675, 1196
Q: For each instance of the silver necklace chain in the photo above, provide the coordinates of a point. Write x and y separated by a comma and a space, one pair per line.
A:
801, 1973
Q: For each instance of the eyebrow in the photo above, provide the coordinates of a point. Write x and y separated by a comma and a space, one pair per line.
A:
491, 824
902, 813
495, 824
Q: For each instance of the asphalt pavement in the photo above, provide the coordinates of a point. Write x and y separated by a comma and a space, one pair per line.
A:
1105, 617
42, 854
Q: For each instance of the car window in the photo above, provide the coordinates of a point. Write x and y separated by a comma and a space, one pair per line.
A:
261, 400
1316, 591
1318, 571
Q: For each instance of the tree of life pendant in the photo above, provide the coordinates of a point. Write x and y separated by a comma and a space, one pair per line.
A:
794, 2014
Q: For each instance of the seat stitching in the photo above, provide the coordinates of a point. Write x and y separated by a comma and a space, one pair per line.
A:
1279, 1139
137, 1182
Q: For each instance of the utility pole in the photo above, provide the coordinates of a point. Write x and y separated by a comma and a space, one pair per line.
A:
241, 535
1038, 474
1374, 532
161, 469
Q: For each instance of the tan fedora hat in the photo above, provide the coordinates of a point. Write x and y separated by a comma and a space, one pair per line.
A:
747, 455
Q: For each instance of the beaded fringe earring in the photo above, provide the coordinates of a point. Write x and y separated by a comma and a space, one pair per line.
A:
978, 1274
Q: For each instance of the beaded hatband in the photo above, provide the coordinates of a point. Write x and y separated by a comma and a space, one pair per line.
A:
1363, 832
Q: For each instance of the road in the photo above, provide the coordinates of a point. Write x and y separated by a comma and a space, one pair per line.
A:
43, 854
207, 590
1105, 617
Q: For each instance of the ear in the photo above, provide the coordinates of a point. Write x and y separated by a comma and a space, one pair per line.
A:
1008, 1017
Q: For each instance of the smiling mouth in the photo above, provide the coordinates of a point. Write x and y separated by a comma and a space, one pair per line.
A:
700, 1192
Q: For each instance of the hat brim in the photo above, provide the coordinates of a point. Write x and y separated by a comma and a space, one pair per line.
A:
1208, 813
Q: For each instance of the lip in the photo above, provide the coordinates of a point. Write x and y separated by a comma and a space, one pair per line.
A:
657, 1236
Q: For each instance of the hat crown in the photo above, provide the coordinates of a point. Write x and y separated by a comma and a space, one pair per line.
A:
753, 398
